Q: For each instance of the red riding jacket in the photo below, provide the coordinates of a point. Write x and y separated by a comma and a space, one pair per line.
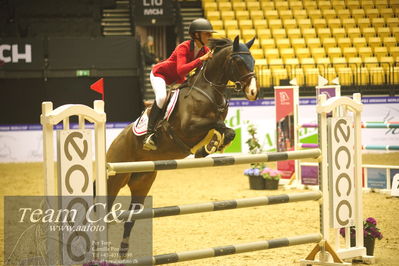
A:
179, 64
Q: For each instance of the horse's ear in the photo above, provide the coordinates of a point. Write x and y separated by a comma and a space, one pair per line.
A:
236, 43
249, 44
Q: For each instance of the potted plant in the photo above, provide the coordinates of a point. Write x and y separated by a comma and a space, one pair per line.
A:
370, 233
256, 180
272, 177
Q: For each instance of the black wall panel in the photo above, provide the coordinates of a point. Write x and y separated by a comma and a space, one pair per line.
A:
101, 53
20, 100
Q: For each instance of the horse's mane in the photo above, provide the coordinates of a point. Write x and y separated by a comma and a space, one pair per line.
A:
219, 44
216, 45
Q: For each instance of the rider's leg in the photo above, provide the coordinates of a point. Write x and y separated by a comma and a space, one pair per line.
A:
159, 87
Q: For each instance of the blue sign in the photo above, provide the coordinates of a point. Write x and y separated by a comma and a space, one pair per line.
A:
377, 178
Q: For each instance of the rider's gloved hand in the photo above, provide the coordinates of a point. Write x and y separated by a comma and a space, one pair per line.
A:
207, 56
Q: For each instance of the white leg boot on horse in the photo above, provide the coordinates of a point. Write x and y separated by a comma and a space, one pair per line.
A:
149, 142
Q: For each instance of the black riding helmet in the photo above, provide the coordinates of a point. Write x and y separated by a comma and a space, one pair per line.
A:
200, 25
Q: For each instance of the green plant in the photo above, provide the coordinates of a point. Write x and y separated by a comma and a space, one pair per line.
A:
254, 146
258, 169
253, 142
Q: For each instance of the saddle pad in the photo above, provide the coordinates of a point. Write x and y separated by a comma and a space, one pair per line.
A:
140, 125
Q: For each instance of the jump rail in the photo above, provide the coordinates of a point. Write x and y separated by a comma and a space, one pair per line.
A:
380, 125
381, 147
308, 145
227, 250
150, 166
364, 125
364, 147
219, 205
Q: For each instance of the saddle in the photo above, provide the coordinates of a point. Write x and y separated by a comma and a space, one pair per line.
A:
211, 142
140, 125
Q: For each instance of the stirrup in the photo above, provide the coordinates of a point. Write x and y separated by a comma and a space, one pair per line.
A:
148, 143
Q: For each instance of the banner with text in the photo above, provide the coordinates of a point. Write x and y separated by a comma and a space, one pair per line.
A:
23, 143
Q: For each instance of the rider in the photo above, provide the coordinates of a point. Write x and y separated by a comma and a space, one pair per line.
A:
186, 56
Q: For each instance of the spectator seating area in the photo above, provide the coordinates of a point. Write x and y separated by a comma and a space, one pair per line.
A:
356, 40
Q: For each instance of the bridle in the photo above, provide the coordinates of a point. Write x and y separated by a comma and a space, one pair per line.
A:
237, 87
237, 83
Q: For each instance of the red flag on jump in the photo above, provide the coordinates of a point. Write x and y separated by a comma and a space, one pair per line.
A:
98, 86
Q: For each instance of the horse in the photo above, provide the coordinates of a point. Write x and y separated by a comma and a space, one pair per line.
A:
201, 108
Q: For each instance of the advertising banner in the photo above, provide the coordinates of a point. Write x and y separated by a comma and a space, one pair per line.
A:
309, 175
23, 143
22, 54
286, 122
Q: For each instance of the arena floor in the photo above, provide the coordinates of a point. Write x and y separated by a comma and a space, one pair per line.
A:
206, 230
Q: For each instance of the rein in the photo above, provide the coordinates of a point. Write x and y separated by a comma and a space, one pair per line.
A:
238, 83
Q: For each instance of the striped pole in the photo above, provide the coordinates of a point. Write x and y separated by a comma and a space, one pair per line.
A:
380, 124
381, 147
218, 205
309, 125
364, 147
364, 125
226, 250
150, 166
308, 145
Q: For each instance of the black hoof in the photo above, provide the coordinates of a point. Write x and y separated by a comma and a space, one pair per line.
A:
201, 153
123, 250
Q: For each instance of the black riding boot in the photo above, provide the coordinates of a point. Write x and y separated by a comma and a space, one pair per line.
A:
149, 142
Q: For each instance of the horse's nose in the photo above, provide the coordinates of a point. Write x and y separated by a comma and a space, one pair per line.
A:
252, 90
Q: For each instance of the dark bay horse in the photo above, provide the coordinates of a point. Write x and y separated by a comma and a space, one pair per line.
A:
202, 106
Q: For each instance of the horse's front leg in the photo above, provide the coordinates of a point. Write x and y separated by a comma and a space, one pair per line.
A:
139, 185
228, 134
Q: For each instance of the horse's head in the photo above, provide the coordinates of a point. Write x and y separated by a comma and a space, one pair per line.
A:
242, 69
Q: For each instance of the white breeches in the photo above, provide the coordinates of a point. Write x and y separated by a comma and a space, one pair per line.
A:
159, 86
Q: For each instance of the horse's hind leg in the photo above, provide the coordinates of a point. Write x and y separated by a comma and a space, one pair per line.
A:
139, 184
